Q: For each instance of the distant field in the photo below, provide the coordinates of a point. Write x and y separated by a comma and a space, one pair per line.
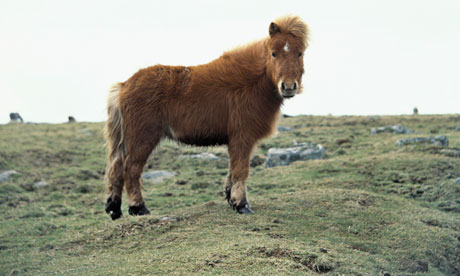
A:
369, 208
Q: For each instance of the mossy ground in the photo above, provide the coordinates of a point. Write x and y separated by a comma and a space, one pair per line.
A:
369, 208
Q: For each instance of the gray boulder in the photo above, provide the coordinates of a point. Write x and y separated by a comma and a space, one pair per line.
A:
202, 156
284, 128
299, 152
71, 120
398, 129
158, 176
457, 181
4, 176
16, 118
40, 184
458, 128
437, 140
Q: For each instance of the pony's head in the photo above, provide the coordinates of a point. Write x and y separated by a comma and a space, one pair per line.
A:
285, 49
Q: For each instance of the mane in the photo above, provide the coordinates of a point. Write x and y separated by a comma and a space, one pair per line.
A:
237, 67
294, 25
246, 64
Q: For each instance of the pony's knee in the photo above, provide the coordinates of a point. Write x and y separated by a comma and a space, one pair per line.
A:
132, 170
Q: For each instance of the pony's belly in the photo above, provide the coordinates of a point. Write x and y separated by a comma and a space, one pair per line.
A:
204, 141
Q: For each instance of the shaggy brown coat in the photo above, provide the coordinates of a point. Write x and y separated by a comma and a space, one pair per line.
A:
234, 100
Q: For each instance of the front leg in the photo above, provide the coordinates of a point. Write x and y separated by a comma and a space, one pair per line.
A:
235, 184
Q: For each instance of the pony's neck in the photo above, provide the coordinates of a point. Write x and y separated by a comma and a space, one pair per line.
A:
237, 69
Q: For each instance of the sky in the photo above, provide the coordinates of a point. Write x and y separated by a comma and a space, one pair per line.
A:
366, 57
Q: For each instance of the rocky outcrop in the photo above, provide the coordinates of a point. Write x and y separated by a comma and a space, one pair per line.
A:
4, 176
15, 118
398, 129
437, 140
203, 156
299, 152
158, 176
284, 128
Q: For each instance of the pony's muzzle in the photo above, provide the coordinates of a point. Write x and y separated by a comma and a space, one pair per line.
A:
288, 90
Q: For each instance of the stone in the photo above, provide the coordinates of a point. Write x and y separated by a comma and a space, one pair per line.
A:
457, 128
458, 183
72, 120
158, 176
167, 219
299, 152
437, 140
203, 156
16, 118
4, 176
450, 152
39, 185
86, 131
398, 129
284, 128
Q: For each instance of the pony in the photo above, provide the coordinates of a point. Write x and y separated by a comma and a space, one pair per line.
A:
234, 100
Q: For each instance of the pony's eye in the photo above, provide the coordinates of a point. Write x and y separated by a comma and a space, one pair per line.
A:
273, 55
300, 54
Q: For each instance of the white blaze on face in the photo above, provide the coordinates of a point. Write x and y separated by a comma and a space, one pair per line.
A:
286, 47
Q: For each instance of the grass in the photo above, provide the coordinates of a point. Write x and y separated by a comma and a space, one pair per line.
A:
369, 208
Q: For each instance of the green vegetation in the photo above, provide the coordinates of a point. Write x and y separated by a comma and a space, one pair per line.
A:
369, 208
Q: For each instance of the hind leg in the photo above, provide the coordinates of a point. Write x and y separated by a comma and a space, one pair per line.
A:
114, 188
138, 150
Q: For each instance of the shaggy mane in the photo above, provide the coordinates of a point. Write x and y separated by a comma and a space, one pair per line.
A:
294, 25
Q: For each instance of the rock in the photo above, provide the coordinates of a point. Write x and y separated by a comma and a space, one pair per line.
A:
415, 111
458, 183
158, 176
166, 219
16, 118
302, 152
398, 129
204, 156
40, 184
257, 161
437, 140
4, 176
287, 116
86, 131
72, 120
458, 128
450, 152
284, 128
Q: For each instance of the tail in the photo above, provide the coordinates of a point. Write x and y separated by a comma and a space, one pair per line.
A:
114, 127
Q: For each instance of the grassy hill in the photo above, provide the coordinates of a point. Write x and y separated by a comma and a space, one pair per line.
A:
369, 208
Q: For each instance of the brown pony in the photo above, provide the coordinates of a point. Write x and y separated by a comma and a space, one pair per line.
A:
234, 100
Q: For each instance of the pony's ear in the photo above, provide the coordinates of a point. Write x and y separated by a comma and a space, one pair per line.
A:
273, 29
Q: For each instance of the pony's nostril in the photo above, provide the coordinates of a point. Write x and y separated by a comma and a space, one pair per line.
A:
282, 86
294, 86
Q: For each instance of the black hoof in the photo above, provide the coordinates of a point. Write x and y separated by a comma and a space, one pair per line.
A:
242, 208
245, 210
138, 210
113, 207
